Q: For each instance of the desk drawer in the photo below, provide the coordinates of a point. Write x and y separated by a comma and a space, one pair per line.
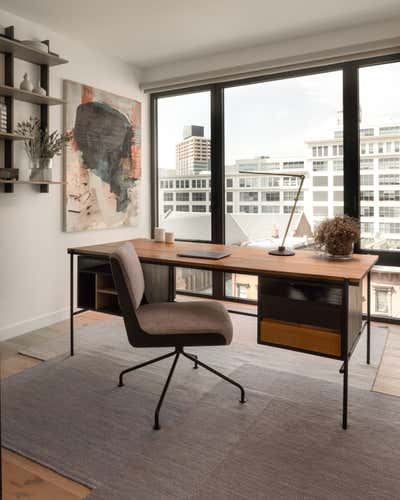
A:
305, 337
302, 303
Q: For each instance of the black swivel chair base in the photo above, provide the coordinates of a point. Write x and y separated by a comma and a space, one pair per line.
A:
176, 353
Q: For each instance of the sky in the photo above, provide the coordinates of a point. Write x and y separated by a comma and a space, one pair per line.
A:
276, 118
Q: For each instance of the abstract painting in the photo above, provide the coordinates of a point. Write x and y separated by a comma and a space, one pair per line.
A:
102, 160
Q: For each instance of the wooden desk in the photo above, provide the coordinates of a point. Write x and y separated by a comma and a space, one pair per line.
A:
305, 303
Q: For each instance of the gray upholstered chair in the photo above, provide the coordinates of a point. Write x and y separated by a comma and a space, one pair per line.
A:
166, 324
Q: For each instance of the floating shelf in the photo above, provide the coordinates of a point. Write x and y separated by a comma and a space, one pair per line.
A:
26, 53
109, 291
4, 181
43, 185
11, 137
24, 95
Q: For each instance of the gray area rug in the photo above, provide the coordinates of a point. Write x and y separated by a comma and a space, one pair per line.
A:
108, 337
285, 443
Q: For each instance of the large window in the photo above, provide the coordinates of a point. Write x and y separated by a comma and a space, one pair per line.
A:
304, 121
380, 108
184, 176
288, 124
184, 159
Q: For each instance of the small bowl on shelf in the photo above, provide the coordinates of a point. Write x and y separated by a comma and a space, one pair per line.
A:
9, 174
36, 44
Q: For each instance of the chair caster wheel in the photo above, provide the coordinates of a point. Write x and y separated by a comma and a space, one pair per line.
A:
120, 384
156, 427
242, 401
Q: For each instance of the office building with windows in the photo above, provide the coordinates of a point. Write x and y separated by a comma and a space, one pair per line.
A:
193, 153
183, 196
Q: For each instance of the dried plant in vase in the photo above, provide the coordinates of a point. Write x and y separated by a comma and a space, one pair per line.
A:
41, 147
337, 236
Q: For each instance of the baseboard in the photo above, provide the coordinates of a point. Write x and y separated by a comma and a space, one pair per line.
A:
28, 325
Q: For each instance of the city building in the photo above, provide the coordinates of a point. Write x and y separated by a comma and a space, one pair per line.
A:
183, 197
193, 153
322, 193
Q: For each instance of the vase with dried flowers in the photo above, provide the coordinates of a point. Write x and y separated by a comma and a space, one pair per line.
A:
41, 147
337, 236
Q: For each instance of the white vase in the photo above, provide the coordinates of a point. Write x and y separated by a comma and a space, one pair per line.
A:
26, 83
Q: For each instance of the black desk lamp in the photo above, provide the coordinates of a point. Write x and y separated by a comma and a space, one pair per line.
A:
282, 250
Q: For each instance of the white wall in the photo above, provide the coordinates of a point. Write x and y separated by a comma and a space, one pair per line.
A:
302, 48
34, 267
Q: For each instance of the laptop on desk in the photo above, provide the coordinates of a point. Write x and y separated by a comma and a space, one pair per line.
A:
202, 254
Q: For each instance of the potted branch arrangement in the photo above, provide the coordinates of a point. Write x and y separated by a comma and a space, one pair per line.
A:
336, 237
41, 147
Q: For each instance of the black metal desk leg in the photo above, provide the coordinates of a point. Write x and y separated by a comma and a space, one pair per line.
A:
345, 392
369, 318
171, 283
345, 347
71, 304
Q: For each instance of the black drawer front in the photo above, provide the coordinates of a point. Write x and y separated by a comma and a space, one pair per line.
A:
304, 303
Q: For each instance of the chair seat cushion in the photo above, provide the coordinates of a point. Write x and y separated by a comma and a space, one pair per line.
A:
186, 318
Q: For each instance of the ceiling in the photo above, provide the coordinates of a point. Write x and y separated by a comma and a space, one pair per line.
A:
152, 32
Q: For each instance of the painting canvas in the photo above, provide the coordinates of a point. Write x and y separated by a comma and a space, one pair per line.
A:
102, 159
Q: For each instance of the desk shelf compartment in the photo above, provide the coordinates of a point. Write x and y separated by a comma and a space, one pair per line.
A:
96, 290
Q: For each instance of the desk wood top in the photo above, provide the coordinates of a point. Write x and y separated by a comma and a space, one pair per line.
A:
243, 260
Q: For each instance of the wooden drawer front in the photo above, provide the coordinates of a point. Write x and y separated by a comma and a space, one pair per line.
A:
307, 338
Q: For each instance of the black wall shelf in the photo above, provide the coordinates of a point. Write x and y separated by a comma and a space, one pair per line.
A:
12, 49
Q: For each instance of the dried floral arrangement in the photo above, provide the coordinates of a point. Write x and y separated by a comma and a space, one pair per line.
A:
40, 143
337, 236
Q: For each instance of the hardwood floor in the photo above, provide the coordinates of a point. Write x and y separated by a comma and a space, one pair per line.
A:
388, 377
26, 479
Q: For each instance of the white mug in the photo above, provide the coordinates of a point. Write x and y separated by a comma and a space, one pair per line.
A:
169, 237
159, 233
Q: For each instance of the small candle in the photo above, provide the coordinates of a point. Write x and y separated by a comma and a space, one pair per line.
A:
169, 237
159, 234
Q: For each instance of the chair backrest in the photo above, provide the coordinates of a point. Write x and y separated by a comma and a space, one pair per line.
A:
129, 282
132, 272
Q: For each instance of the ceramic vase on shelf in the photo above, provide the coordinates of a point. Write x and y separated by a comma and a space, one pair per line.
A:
41, 169
39, 90
26, 83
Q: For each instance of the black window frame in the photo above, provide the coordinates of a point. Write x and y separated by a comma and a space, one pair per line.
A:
351, 150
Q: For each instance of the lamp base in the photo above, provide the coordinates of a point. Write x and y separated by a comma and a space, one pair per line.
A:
281, 251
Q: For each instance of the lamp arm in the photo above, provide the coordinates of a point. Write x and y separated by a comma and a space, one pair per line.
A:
293, 209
